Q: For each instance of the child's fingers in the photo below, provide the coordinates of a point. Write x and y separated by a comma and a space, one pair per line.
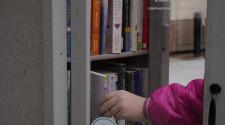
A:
108, 114
118, 115
107, 97
108, 104
115, 109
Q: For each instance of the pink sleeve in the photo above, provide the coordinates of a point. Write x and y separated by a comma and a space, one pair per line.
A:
176, 105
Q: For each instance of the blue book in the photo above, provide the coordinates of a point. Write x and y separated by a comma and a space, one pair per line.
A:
138, 81
68, 18
103, 25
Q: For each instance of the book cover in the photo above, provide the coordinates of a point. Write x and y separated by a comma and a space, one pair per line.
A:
112, 79
126, 26
114, 28
95, 27
145, 37
118, 68
98, 90
103, 25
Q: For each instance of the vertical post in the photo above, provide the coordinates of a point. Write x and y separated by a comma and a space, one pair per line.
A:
80, 62
215, 61
159, 43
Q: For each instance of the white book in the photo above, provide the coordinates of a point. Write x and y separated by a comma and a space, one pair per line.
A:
114, 29
98, 89
102, 83
134, 20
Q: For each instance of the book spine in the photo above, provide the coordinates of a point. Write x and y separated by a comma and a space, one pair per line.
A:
117, 26
103, 23
138, 83
108, 43
145, 82
68, 42
114, 28
130, 82
140, 24
95, 27
134, 24
68, 32
145, 38
126, 25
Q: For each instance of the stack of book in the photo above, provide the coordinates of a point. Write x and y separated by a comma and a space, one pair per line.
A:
108, 77
119, 26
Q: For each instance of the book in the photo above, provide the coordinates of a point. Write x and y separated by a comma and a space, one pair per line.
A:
140, 25
119, 68
95, 27
130, 81
126, 26
145, 81
145, 37
68, 30
68, 42
114, 27
134, 24
102, 83
138, 81
98, 89
112, 79
103, 25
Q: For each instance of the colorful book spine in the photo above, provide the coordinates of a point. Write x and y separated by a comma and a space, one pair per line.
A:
114, 28
95, 27
126, 26
103, 25
145, 38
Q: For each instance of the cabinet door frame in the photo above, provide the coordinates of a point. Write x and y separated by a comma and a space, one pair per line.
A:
215, 61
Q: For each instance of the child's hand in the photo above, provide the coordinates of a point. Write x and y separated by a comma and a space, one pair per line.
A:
123, 105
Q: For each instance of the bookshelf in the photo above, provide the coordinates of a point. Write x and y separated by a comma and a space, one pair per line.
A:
81, 60
117, 56
33, 68
33, 62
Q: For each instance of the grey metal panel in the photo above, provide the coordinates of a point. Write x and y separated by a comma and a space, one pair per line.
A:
27, 65
159, 44
59, 62
48, 62
21, 62
215, 61
80, 62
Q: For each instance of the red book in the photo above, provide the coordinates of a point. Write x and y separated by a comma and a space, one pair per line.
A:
95, 27
145, 37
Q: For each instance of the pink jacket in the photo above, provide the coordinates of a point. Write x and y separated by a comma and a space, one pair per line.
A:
176, 105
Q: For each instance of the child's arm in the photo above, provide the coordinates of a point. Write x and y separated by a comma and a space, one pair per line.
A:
169, 105
176, 105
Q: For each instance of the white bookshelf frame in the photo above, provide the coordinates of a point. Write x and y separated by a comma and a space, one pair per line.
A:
81, 59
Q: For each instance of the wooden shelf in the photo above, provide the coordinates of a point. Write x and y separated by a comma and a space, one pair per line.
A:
117, 56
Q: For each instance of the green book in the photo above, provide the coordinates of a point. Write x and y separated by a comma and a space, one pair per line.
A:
130, 81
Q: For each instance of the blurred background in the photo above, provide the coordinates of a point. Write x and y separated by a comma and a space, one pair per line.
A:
187, 44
